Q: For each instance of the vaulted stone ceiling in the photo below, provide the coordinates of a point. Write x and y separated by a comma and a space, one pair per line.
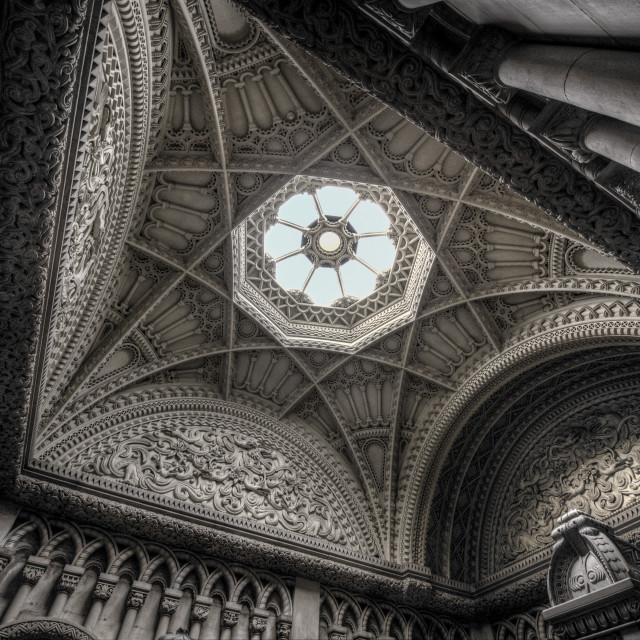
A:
157, 389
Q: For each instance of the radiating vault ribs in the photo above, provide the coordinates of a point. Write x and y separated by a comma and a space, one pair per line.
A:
329, 238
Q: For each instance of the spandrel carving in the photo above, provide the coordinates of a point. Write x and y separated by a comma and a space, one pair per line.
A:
229, 472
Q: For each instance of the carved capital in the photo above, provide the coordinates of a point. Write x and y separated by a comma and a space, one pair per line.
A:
168, 606
200, 612
31, 574
257, 624
283, 629
102, 591
68, 582
136, 599
229, 618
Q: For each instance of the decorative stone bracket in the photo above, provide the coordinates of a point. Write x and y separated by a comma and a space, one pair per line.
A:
594, 580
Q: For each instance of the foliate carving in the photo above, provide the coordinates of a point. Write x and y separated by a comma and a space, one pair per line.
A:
477, 64
68, 582
229, 618
200, 612
39, 45
593, 465
168, 606
564, 125
31, 574
283, 630
225, 469
136, 599
102, 591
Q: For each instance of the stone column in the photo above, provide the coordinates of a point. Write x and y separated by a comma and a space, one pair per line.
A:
9, 577
180, 619
211, 626
148, 615
613, 139
101, 593
258, 623
110, 617
30, 576
228, 620
168, 606
38, 600
69, 580
306, 609
199, 614
135, 601
601, 80
79, 602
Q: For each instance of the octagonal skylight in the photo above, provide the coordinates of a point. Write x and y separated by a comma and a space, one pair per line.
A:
329, 263
331, 244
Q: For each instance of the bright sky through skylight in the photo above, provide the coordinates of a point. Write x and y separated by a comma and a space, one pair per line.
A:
356, 275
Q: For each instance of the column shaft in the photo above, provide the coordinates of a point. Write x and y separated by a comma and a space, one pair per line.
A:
79, 602
110, 617
39, 599
600, 80
615, 140
8, 581
306, 610
147, 616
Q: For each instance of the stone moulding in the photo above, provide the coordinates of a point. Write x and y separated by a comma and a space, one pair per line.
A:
47, 51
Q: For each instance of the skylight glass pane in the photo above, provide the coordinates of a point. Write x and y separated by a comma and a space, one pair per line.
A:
281, 240
357, 279
292, 272
379, 252
301, 210
324, 287
335, 201
369, 216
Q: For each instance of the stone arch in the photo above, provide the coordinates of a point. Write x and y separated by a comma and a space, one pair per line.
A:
44, 629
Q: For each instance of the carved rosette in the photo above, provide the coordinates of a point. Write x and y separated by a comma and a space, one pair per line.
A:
229, 618
31, 574
136, 599
102, 591
68, 582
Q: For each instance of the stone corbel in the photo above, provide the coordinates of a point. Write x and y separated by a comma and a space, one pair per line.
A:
594, 580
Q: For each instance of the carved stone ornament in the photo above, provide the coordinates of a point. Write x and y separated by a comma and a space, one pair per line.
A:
102, 591
283, 630
337, 633
68, 582
257, 624
200, 612
229, 618
594, 579
31, 574
168, 606
136, 599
